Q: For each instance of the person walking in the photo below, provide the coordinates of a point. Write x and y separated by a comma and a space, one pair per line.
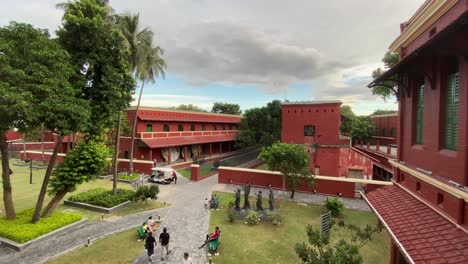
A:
164, 240
187, 259
150, 242
174, 177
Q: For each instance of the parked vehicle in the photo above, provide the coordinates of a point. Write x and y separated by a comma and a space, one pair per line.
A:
161, 175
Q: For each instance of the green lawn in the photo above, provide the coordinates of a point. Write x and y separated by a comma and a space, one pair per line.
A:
265, 243
25, 194
264, 166
118, 248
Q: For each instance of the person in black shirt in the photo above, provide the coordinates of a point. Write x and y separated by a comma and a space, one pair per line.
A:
164, 240
149, 245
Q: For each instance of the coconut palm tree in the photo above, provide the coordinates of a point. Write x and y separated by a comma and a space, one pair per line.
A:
144, 59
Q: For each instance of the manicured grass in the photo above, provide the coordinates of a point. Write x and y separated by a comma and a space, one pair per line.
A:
128, 177
264, 166
122, 247
205, 169
266, 243
185, 172
25, 194
22, 230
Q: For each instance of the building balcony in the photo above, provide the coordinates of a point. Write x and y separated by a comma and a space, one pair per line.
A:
389, 150
182, 138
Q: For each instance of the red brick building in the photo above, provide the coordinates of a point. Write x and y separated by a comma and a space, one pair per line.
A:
316, 125
426, 211
169, 135
386, 129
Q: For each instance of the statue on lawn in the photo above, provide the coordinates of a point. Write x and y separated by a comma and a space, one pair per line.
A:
259, 201
214, 202
271, 199
237, 201
246, 196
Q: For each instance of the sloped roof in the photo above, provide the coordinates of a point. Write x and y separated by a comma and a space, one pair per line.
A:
423, 235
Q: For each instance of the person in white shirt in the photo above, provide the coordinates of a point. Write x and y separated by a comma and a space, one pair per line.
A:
187, 259
151, 224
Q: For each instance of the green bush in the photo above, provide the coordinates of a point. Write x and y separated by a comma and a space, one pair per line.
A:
334, 204
102, 197
275, 217
22, 230
144, 193
252, 218
128, 177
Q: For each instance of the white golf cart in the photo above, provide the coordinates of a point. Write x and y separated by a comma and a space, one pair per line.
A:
161, 175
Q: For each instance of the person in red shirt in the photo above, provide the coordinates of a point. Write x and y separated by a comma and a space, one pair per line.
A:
211, 237
174, 177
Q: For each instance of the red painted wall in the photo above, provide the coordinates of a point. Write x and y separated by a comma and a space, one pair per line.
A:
32, 146
38, 156
263, 179
325, 117
431, 155
353, 159
386, 122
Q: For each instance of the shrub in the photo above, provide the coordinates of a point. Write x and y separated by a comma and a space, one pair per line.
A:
144, 193
252, 218
231, 215
103, 197
334, 204
22, 230
275, 217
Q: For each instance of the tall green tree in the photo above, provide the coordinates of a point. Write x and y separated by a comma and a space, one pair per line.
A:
100, 71
291, 160
34, 72
362, 128
349, 115
145, 61
83, 163
226, 108
188, 107
260, 126
388, 88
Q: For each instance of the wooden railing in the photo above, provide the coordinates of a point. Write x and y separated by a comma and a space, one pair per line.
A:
186, 133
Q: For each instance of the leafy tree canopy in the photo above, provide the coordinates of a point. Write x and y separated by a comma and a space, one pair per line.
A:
362, 128
99, 59
261, 126
291, 160
188, 107
226, 108
346, 123
387, 89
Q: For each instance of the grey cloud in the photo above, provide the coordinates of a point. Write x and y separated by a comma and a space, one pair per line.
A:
230, 52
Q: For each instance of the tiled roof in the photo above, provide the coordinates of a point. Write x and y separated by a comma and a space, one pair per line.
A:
424, 234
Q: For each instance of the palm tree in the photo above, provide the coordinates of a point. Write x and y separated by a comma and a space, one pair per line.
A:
144, 59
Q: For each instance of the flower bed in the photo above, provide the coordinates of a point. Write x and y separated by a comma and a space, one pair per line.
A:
22, 230
103, 197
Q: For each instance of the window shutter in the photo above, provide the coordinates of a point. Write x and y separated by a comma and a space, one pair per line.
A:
451, 111
419, 115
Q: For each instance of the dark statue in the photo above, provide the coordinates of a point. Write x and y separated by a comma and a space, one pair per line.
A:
246, 196
237, 201
271, 199
259, 201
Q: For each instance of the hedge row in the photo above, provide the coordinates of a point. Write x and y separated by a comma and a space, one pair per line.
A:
103, 197
22, 230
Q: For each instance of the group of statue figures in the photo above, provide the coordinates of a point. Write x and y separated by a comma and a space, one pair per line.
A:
246, 206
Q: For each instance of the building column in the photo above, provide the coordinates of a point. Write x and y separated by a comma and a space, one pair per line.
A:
185, 153
199, 152
220, 147
211, 149
150, 154
229, 146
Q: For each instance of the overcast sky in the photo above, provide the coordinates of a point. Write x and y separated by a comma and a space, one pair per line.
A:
251, 52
